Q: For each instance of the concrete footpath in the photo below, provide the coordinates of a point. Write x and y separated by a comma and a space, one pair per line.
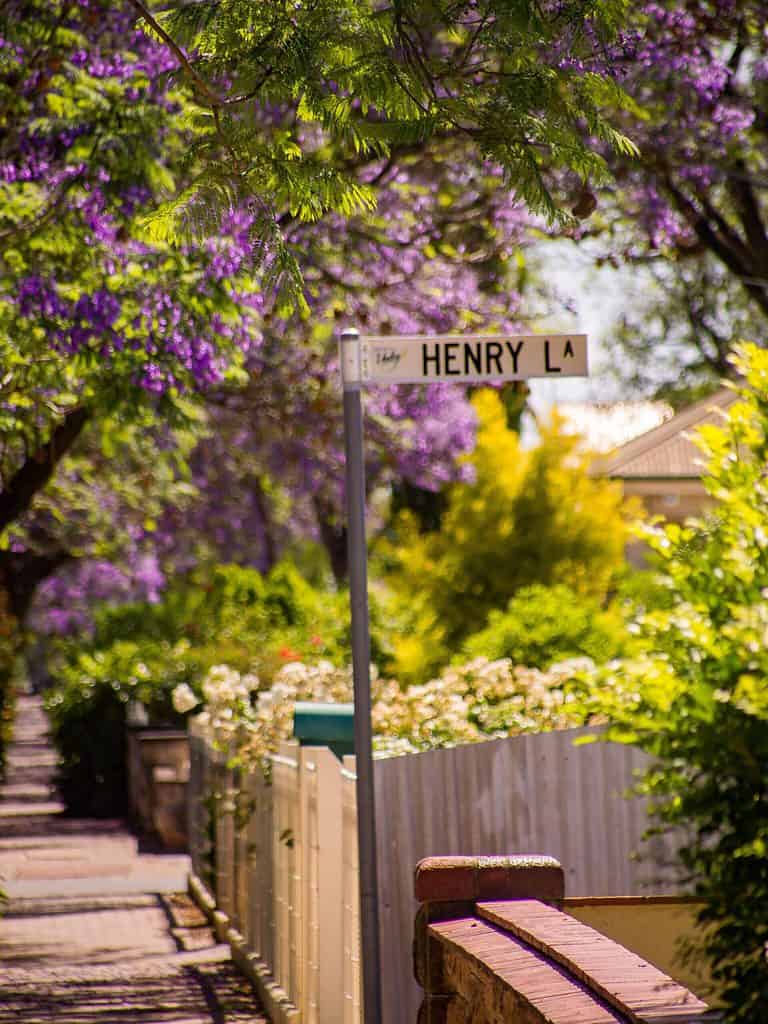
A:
95, 930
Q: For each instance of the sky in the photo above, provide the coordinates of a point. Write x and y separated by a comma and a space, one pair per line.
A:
599, 297
589, 300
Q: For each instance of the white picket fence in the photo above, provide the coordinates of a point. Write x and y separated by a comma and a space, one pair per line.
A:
280, 853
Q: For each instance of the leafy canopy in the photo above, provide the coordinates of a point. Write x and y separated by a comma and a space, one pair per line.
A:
690, 215
106, 341
292, 98
91, 316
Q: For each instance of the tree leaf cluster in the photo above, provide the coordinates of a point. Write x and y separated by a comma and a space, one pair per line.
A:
302, 95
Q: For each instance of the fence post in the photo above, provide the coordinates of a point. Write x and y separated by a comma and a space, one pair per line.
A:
353, 1011
262, 887
305, 907
195, 797
225, 836
285, 782
330, 887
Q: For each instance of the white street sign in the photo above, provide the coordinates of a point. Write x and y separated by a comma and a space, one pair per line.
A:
464, 358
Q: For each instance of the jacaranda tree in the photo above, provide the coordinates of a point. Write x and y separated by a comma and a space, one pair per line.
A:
691, 212
391, 158
111, 305
97, 327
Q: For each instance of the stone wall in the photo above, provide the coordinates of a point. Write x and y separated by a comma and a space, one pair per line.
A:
158, 774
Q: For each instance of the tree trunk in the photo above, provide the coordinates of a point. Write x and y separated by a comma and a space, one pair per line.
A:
31, 477
270, 548
21, 573
333, 534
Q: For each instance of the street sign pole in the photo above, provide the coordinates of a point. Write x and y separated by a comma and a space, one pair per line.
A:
361, 659
425, 359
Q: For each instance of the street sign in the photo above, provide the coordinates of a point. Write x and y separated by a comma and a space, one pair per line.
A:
400, 360
467, 358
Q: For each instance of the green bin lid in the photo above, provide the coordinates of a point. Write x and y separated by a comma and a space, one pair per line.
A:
320, 725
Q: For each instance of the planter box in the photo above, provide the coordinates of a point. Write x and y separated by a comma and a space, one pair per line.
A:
158, 774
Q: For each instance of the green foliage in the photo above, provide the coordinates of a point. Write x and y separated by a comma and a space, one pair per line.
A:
88, 725
528, 517
105, 342
125, 142
358, 81
141, 652
226, 614
542, 625
116, 482
697, 697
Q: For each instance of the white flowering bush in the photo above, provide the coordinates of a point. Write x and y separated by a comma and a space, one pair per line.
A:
465, 704
228, 707
273, 720
468, 703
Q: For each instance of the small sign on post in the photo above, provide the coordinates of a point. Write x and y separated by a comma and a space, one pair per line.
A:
420, 360
464, 359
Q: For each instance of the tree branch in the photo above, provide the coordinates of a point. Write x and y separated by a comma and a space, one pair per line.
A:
750, 213
46, 213
202, 86
21, 573
731, 256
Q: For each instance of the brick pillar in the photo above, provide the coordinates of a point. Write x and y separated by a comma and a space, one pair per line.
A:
448, 888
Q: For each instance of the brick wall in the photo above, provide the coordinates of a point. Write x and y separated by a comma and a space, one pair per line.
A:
491, 944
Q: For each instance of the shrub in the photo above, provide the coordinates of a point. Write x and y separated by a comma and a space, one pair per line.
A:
88, 724
230, 614
141, 652
542, 625
529, 517
465, 704
696, 698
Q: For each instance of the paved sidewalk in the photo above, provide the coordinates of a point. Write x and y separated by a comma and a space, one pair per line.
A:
95, 930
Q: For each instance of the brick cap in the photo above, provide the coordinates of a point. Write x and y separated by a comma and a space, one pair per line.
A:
444, 879
640, 992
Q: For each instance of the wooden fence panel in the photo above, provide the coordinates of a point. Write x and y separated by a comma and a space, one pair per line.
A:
330, 884
285, 791
261, 932
196, 805
526, 794
224, 831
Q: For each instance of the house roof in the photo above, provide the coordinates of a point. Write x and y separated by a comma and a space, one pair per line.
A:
667, 451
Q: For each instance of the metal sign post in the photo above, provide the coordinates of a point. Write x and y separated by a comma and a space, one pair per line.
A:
361, 662
396, 360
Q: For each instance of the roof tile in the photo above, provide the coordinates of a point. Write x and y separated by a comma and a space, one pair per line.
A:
668, 451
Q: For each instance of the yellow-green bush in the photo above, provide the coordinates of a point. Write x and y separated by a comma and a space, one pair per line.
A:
695, 694
529, 517
542, 625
